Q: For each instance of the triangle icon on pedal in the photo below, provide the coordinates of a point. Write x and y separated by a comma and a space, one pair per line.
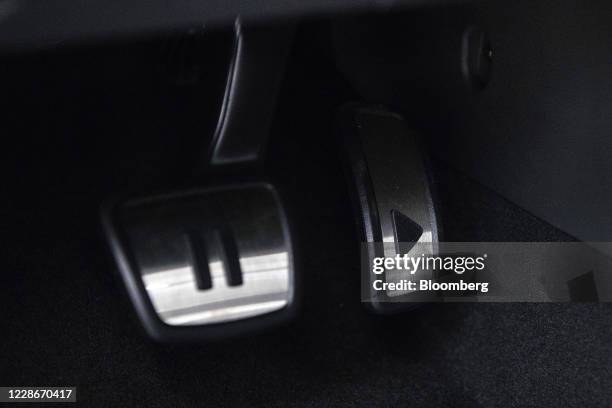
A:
407, 232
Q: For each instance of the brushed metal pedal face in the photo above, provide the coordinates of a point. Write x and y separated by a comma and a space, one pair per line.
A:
205, 263
392, 198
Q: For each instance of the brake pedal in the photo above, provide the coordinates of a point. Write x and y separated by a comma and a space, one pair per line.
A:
205, 264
